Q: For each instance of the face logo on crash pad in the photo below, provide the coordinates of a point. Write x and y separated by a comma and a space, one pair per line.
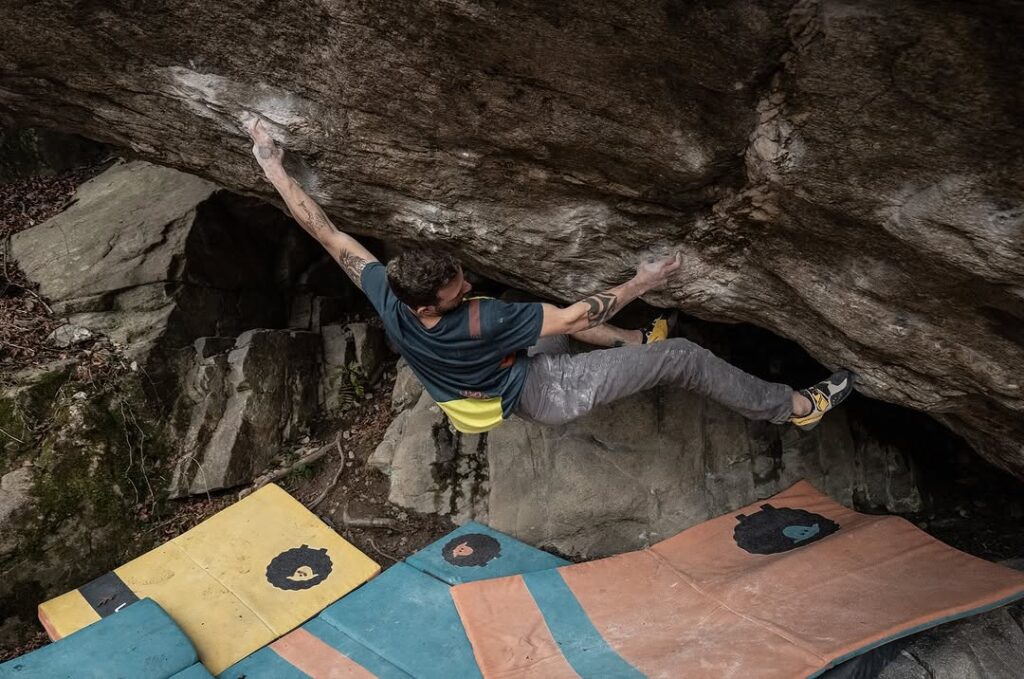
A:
471, 549
772, 530
299, 568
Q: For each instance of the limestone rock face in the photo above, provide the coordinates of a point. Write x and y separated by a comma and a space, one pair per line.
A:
845, 174
987, 646
197, 283
242, 400
629, 474
151, 256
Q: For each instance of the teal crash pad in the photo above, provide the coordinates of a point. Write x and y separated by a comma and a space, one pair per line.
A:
196, 671
408, 618
139, 641
263, 664
475, 552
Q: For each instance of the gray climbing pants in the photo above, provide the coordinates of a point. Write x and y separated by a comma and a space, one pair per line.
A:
562, 386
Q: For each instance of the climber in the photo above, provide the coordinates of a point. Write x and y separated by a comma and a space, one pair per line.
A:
483, 359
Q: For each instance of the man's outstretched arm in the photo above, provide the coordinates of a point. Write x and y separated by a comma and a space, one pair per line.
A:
599, 308
343, 248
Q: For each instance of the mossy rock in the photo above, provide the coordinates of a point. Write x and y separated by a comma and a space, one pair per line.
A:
25, 405
96, 459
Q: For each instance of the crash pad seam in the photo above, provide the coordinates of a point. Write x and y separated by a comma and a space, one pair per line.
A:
225, 586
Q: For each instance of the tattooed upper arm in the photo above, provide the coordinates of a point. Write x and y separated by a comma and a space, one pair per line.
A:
353, 266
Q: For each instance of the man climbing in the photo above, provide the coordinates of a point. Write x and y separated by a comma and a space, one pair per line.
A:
483, 359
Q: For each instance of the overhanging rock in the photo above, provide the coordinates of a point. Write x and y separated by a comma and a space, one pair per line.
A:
848, 175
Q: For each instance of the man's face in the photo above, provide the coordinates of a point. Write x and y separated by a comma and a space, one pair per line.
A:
450, 296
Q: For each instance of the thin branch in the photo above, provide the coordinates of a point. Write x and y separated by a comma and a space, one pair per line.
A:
41, 300
278, 474
369, 522
12, 436
334, 482
379, 551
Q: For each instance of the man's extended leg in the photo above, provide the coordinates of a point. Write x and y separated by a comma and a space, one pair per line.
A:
561, 387
609, 336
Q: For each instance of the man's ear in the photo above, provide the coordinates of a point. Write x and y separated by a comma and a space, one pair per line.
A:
426, 311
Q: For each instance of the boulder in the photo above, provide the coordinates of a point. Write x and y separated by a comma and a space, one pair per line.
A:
371, 350
354, 358
433, 468
69, 335
15, 498
407, 389
155, 258
986, 646
844, 174
241, 401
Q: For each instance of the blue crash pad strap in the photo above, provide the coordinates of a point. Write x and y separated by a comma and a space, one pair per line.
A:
577, 638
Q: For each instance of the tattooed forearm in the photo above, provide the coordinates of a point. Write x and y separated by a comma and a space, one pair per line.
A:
314, 220
353, 266
601, 307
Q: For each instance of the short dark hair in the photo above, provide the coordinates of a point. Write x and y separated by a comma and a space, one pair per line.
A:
416, 276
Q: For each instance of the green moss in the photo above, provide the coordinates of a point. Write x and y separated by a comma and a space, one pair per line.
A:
98, 462
24, 409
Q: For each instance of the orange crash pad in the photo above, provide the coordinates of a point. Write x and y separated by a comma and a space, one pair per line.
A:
782, 590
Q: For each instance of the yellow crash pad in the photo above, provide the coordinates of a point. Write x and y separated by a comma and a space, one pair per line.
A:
234, 583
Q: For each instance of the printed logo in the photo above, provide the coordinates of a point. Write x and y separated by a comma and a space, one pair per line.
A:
471, 549
771, 530
299, 568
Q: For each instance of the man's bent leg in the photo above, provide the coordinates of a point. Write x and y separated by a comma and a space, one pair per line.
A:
562, 387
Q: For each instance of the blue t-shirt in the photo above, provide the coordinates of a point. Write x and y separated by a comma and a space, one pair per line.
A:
473, 362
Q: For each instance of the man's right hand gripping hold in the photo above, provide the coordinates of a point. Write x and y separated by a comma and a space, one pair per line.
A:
483, 359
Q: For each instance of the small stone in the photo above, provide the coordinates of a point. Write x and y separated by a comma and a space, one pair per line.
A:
69, 335
79, 396
346, 435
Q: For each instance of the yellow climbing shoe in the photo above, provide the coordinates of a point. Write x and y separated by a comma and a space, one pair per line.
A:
824, 396
659, 329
